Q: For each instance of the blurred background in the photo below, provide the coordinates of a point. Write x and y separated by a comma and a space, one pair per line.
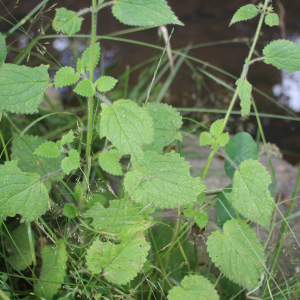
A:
192, 86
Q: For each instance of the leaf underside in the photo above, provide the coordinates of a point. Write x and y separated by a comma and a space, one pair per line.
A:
244, 90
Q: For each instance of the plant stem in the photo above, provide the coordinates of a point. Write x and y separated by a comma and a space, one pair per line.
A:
211, 155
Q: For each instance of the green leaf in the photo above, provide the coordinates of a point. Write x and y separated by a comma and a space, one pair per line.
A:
66, 21
224, 210
65, 76
85, 88
86, 57
121, 262
22, 193
70, 210
53, 270
223, 139
239, 148
100, 1
80, 66
166, 121
71, 163
206, 139
250, 194
3, 51
272, 20
23, 149
19, 247
244, 90
237, 252
215, 146
120, 214
68, 138
22, 88
109, 162
200, 216
216, 128
283, 54
48, 149
106, 83
244, 13
164, 180
127, 126
144, 13
194, 287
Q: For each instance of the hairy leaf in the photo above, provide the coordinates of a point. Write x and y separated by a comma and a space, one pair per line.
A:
223, 139
22, 193
121, 262
244, 90
244, 13
106, 83
194, 287
206, 139
283, 54
127, 126
85, 88
66, 21
239, 148
68, 138
48, 149
238, 253
53, 270
120, 214
19, 247
22, 88
3, 51
109, 162
144, 13
250, 194
80, 66
65, 76
216, 128
200, 216
86, 57
164, 180
71, 163
23, 149
166, 121
272, 20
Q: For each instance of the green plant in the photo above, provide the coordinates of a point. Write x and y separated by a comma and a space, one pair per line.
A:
113, 248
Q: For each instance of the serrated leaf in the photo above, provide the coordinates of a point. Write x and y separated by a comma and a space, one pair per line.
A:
120, 214
194, 287
80, 66
109, 162
283, 54
250, 194
22, 88
127, 126
121, 262
244, 13
22, 193
71, 163
86, 57
85, 88
66, 21
3, 51
53, 270
48, 149
238, 253
240, 147
163, 180
206, 139
216, 128
200, 216
68, 138
144, 13
106, 83
19, 247
215, 146
166, 122
65, 76
272, 19
223, 139
70, 210
244, 91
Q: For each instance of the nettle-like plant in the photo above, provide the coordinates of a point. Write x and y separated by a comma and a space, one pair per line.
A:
115, 247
